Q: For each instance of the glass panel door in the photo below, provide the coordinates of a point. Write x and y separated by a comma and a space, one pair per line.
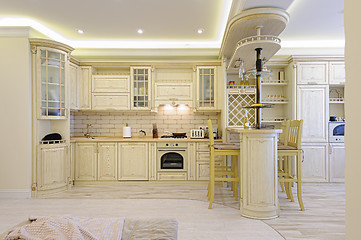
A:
206, 77
141, 87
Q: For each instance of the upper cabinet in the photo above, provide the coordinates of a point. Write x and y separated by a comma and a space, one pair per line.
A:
337, 73
74, 86
141, 82
85, 76
50, 65
312, 73
206, 91
111, 83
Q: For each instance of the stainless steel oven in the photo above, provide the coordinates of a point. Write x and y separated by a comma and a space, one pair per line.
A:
336, 132
172, 156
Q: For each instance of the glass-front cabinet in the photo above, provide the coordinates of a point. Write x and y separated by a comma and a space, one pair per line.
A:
141, 88
50, 64
52, 87
206, 95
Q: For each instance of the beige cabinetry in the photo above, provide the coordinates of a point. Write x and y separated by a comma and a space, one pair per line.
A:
337, 73
177, 93
312, 73
107, 161
312, 107
96, 161
84, 98
74, 86
133, 161
86, 161
202, 161
110, 83
337, 162
206, 88
315, 163
52, 167
110, 101
141, 82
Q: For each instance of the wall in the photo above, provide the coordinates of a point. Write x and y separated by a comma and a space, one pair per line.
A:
111, 124
353, 116
15, 121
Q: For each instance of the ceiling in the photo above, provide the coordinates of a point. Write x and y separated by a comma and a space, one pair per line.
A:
168, 24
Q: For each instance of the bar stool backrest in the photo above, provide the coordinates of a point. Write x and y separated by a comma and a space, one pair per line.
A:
210, 132
285, 125
295, 133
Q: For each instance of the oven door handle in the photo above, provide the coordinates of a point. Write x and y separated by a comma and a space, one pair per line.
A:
178, 150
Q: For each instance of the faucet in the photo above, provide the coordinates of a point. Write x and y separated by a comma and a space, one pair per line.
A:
87, 134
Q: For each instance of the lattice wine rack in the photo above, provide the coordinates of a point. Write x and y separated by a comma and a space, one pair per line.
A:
237, 115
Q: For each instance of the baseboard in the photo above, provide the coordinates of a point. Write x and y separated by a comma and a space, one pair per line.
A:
12, 193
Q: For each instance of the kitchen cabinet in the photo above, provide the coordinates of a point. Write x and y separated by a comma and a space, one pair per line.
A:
314, 167
85, 76
52, 168
337, 73
110, 101
74, 86
51, 74
110, 83
169, 176
312, 107
96, 161
133, 161
152, 161
202, 161
141, 82
337, 162
191, 161
177, 93
107, 161
206, 88
86, 161
312, 73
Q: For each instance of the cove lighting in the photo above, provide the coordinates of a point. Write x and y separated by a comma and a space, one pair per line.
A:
224, 5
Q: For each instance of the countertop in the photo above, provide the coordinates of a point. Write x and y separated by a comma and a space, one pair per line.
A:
136, 139
253, 130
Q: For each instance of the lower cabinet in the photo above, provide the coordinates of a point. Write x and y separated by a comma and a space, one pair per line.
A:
337, 162
314, 167
107, 161
202, 161
133, 161
52, 170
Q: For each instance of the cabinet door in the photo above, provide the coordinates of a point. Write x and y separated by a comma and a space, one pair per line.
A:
133, 161
85, 74
111, 83
173, 91
206, 90
314, 168
312, 73
141, 83
337, 73
107, 161
52, 168
74, 82
110, 101
312, 107
86, 161
337, 162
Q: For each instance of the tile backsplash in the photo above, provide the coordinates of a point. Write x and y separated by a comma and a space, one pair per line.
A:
112, 123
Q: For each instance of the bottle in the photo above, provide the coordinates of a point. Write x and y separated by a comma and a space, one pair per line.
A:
155, 130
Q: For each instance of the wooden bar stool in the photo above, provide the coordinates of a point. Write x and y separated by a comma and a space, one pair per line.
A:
222, 173
292, 149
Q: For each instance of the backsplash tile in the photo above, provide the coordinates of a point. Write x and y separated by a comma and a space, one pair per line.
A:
111, 124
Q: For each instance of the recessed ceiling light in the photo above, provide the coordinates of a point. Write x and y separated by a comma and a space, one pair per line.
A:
80, 31
140, 31
200, 30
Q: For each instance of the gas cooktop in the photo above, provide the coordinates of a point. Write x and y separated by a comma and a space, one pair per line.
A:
171, 136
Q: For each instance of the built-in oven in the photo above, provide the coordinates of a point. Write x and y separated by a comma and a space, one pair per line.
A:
336, 132
172, 156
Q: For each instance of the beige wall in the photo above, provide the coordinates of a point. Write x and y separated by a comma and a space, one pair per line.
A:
353, 118
15, 120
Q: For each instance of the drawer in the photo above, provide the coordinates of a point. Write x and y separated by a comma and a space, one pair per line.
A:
109, 101
204, 157
172, 176
203, 147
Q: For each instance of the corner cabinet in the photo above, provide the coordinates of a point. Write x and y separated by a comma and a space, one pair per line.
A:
141, 83
206, 90
52, 167
50, 64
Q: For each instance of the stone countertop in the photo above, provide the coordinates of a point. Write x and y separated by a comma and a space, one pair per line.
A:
136, 139
253, 130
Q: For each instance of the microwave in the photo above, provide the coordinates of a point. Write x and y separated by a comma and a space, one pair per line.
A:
336, 132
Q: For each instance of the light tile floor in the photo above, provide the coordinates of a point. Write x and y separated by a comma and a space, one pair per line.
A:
324, 217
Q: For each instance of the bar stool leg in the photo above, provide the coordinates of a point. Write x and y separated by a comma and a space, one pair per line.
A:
211, 179
299, 191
